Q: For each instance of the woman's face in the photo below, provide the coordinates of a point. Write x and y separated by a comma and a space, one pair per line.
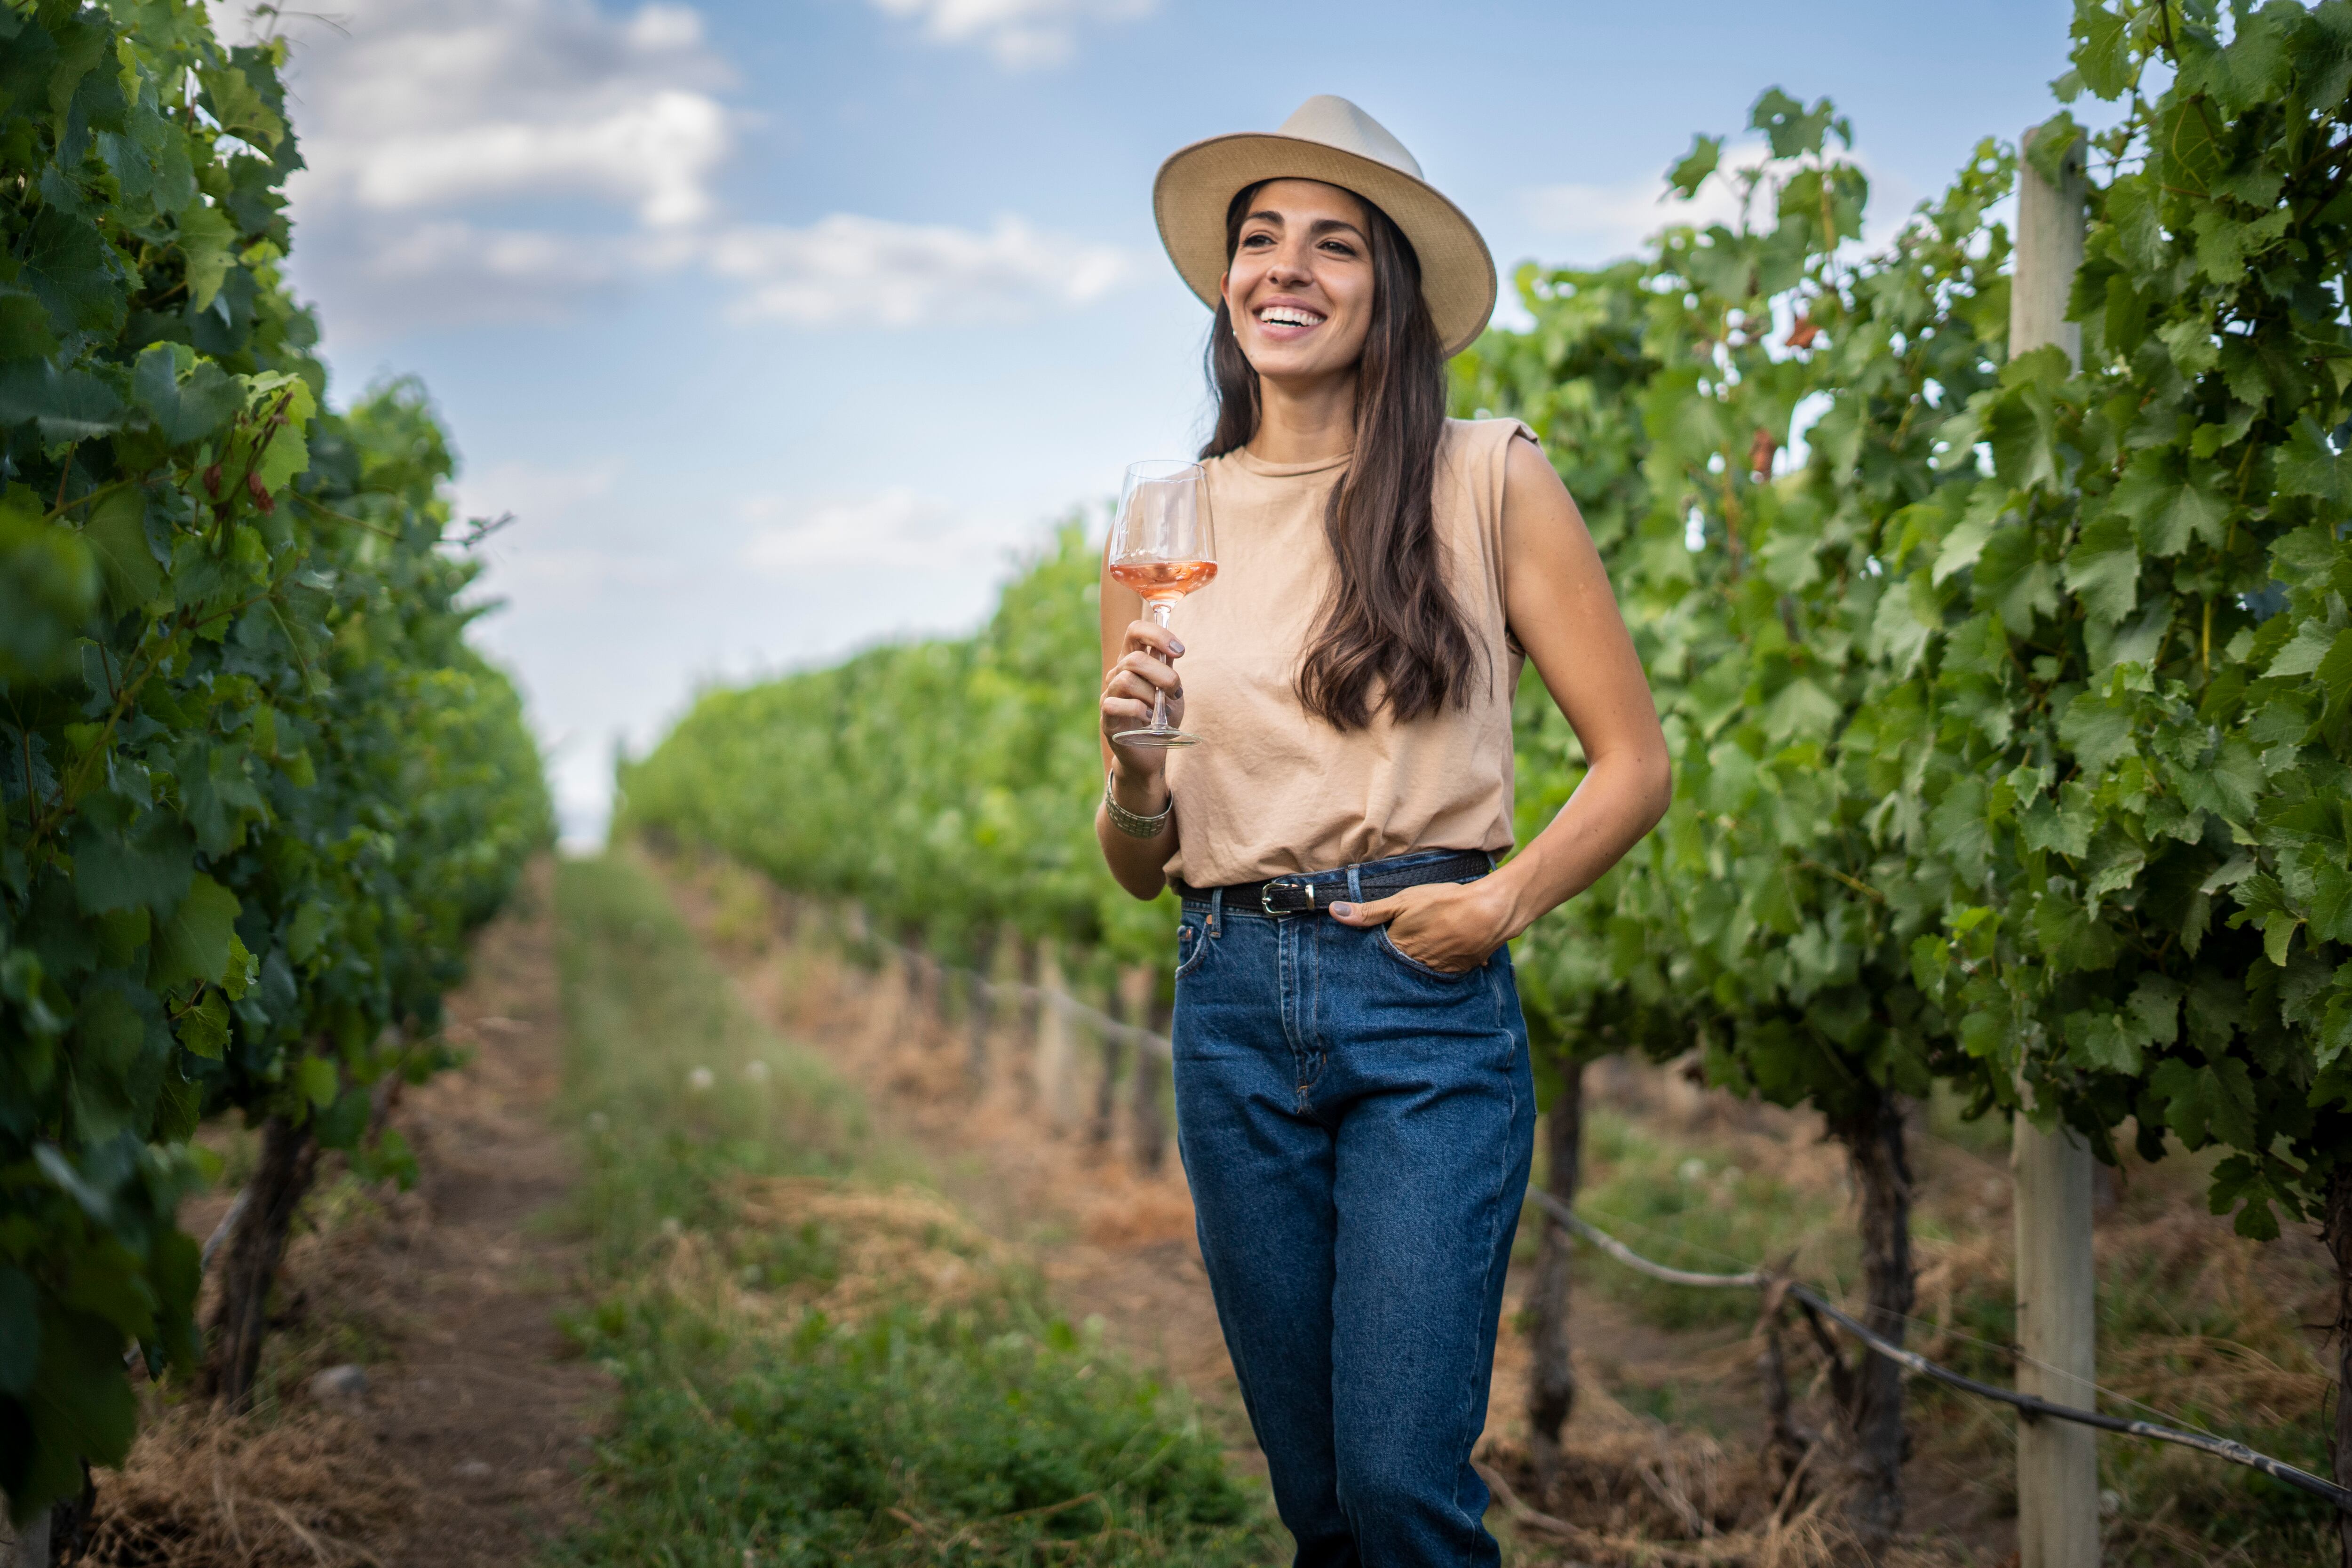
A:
1299, 287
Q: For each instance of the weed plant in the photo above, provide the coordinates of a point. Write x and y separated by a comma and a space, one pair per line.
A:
817, 1366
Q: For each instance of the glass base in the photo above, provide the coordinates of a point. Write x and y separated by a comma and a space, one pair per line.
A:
1155, 740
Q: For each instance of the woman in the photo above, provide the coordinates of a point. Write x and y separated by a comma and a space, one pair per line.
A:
1354, 1105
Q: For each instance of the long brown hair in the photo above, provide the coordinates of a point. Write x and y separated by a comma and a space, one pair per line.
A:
1390, 619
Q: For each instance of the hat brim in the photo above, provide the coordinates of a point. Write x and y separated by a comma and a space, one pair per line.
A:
1197, 183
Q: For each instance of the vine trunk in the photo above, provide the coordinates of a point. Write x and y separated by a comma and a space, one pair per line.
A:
1873, 1139
240, 1317
2337, 1233
1551, 1391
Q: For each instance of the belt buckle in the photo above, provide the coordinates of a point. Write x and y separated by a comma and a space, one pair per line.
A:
1266, 895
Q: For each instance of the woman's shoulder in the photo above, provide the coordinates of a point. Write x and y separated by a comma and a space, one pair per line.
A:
1479, 450
1488, 434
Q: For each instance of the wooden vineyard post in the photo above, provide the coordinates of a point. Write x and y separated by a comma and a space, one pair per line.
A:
2057, 1317
1057, 1088
986, 1004
1148, 1109
1098, 1130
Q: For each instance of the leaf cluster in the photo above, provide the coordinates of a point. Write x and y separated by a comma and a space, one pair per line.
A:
255, 786
2010, 723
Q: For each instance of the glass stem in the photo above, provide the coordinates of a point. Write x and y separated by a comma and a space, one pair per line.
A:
1161, 610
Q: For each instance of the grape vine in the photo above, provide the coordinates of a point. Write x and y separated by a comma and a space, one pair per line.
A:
257, 786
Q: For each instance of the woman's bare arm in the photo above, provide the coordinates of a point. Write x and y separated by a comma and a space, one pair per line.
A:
1138, 659
1560, 607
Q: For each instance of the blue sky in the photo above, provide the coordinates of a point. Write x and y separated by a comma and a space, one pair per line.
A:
782, 326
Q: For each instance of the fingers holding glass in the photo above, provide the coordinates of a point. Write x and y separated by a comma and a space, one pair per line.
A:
1131, 689
1161, 546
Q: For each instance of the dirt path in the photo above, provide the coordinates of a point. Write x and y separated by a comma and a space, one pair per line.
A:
483, 1400
464, 1447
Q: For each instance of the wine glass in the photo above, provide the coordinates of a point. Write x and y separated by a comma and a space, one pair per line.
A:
1162, 547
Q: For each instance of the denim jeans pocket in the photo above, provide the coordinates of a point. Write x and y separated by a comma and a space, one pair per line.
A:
1389, 946
1191, 944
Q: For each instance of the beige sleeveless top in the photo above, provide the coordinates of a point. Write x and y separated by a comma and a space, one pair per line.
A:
1273, 790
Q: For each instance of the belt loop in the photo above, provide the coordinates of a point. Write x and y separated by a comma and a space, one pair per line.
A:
1355, 881
1216, 910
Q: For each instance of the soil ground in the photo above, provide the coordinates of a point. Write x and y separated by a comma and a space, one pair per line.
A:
465, 1447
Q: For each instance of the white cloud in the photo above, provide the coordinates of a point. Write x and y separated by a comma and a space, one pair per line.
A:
427, 124
864, 271
1019, 33
654, 153
406, 104
896, 528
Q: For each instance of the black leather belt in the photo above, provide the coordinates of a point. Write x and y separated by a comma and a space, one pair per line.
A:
1306, 892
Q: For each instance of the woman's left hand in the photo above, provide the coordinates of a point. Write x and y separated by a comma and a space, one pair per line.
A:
1451, 926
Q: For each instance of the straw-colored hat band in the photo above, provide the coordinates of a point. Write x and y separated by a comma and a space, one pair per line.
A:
1332, 140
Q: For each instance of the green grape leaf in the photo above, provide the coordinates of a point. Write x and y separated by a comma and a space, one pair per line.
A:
193, 941
117, 535
71, 269
151, 866
208, 242
239, 107
1692, 170
287, 455
203, 1028
2097, 730
1791, 128
2102, 569
2312, 642
2102, 52
184, 412
48, 585
24, 331
69, 405
318, 1081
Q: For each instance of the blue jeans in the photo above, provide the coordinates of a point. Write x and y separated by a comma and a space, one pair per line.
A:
1357, 1128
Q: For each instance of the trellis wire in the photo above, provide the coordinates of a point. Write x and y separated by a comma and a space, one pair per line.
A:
1938, 1327
1068, 1006
2031, 1407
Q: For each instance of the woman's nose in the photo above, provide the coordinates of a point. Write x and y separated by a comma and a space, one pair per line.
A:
1289, 269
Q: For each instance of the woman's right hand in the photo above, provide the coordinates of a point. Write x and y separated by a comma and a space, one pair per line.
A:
1145, 669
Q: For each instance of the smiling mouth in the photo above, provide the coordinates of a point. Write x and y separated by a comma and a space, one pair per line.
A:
1288, 316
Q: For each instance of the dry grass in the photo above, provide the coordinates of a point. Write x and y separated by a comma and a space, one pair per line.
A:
889, 1245
1638, 1497
204, 1491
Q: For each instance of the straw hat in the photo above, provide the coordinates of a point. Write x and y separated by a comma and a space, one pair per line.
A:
1332, 140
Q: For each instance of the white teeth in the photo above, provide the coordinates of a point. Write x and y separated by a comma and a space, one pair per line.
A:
1288, 316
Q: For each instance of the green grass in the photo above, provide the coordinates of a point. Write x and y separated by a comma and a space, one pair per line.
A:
1688, 1205
753, 1429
